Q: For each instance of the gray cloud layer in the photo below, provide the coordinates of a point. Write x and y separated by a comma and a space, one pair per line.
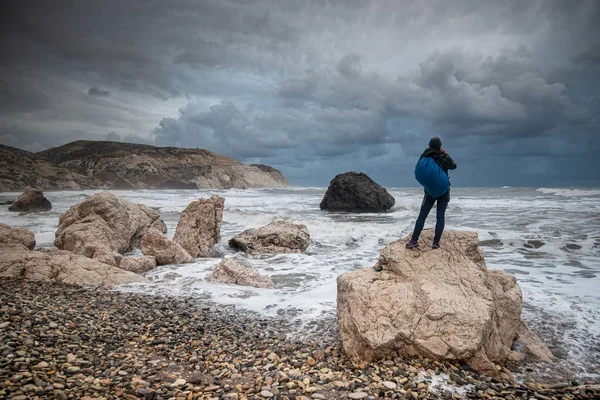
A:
318, 87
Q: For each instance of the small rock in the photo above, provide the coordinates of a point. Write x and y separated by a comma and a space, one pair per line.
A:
390, 385
357, 395
60, 395
266, 394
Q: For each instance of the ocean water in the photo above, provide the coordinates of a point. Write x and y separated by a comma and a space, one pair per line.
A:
548, 238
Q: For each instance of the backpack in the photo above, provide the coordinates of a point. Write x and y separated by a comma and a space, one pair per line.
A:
432, 177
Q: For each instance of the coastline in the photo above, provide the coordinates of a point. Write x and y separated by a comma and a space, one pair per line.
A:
62, 341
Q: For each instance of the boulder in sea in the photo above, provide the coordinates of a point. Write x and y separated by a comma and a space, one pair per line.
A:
103, 226
60, 266
31, 200
199, 226
276, 237
356, 192
10, 235
138, 265
165, 251
442, 304
230, 271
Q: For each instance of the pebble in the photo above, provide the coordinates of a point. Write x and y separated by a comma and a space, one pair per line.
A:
390, 385
109, 345
357, 395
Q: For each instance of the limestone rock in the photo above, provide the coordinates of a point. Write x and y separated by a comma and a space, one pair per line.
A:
356, 192
31, 200
276, 237
534, 346
443, 304
60, 266
230, 271
103, 226
9, 235
138, 265
166, 251
199, 226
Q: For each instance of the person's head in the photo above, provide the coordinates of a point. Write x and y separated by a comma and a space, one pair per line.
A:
435, 143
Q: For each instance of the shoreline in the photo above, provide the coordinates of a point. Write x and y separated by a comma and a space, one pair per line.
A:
64, 341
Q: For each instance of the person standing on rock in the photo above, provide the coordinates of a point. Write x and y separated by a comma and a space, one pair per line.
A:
437, 189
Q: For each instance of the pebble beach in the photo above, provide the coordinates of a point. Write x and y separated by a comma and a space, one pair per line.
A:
68, 342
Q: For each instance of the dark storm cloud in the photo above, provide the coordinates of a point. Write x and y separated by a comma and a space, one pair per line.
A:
316, 85
96, 91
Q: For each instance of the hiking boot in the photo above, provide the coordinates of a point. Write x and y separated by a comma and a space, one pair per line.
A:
411, 244
435, 245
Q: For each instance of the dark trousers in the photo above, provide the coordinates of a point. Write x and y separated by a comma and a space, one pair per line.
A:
426, 205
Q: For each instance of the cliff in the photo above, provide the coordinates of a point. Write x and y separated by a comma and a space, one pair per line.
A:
114, 165
19, 169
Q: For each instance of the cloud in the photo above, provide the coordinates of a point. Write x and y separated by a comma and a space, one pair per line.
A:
96, 91
313, 86
113, 137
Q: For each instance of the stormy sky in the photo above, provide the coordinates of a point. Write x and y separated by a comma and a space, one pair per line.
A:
315, 88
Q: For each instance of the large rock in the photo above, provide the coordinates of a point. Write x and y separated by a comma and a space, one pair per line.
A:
60, 266
199, 226
9, 235
31, 200
230, 271
138, 265
166, 251
356, 192
442, 304
104, 226
276, 237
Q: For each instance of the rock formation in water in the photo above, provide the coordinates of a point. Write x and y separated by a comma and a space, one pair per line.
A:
442, 304
199, 226
230, 271
138, 265
276, 237
15, 236
60, 266
31, 200
356, 192
165, 251
104, 226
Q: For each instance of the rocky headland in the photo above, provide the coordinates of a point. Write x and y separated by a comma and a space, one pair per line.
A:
115, 165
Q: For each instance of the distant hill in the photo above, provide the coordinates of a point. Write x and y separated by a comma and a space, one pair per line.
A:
114, 165
19, 168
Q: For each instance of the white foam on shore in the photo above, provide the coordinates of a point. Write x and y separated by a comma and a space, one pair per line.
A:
570, 192
441, 382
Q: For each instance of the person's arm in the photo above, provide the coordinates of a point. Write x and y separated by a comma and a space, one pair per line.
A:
448, 161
